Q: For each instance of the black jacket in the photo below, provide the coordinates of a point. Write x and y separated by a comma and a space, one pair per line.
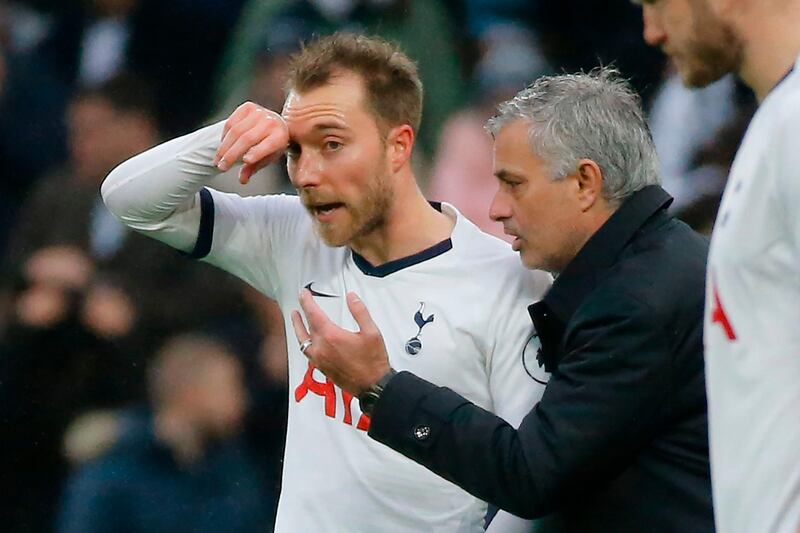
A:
619, 440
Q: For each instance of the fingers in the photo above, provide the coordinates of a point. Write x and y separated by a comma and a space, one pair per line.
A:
248, 169
252, 134
317, 319
240, 137
360, 313
300, 330
239, 113
270, 147
245, 173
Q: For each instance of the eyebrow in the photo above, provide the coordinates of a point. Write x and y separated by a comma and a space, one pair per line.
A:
329, 126
504, 174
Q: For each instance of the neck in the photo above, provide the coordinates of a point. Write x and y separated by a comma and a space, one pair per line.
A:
773, 44
594, 220
180, 436
411, 226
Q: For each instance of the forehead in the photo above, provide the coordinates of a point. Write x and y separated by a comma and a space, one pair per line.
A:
513, 152
511, 142
338, 103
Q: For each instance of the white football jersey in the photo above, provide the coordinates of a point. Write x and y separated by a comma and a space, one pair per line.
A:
752, 326
454, 314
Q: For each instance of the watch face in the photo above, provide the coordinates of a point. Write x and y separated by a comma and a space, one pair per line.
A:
367, 401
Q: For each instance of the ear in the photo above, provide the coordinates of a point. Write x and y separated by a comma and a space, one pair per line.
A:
399, 145
589, 180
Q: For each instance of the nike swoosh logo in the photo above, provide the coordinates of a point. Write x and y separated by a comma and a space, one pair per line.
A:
320, 294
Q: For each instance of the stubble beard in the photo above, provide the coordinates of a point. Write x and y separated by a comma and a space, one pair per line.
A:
366, 219
715, 51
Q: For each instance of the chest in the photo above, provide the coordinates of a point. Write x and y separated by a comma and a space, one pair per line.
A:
431, 323
750, 233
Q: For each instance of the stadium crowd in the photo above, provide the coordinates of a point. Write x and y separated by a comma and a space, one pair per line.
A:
103, 418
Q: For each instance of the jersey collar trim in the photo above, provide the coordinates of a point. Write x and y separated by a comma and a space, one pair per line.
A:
404, 262
399, 264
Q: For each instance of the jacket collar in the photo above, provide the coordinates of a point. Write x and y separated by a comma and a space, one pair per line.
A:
601, 251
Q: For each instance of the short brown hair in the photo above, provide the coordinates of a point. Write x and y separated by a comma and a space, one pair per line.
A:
392, 85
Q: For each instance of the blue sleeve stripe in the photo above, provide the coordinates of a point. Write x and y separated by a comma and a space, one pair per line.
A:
205, 235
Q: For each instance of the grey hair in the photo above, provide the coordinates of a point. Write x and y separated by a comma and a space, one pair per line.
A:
593, 116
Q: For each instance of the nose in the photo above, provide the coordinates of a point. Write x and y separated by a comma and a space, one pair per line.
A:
305, 172
654, 33
501, 208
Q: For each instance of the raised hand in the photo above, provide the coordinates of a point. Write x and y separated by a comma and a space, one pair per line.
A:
253, 135
354, 361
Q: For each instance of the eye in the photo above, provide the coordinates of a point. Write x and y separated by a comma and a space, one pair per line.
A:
333, 146
293, 150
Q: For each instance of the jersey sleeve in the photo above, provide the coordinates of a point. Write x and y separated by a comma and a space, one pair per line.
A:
162, 194
157, 191
258, 239
515, 385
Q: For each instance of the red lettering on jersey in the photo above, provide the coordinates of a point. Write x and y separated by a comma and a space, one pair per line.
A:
328, 390
319, 388
718, 314
363, 421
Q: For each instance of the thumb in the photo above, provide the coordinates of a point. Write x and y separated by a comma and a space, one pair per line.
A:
245, 173
360, 313
249, 169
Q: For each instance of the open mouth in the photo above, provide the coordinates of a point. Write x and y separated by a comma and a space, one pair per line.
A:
324, 211
516, 242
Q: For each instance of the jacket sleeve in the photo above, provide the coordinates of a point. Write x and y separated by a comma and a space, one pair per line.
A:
599, 408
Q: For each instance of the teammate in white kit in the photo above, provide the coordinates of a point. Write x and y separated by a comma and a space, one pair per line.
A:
752, 338
450, 300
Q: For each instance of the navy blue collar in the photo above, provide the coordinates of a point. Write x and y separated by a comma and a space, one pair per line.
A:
391, 267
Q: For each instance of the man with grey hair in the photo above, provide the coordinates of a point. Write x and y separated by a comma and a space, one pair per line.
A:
619, 441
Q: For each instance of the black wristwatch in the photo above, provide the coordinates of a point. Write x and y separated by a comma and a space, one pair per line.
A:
368, 399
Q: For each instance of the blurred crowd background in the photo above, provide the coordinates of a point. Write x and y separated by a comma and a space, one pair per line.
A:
141, 390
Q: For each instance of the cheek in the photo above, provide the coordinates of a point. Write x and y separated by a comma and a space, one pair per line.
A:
549, 219
356, 171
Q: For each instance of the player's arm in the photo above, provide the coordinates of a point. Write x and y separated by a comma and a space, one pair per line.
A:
604, 402
158, 191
